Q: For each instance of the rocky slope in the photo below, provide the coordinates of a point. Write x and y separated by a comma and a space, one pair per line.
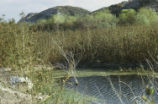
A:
65, 10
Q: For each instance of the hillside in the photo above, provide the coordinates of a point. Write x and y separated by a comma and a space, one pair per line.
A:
134, 4
65, 10
76, 11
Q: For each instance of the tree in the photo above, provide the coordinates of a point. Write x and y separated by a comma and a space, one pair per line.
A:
146, 16
105, 19
70, 19
59, 19
99, 19
127, 16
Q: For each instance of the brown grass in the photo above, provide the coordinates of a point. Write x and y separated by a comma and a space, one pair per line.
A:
121, 44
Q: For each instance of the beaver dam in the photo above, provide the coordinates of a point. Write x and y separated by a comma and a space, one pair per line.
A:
125, 89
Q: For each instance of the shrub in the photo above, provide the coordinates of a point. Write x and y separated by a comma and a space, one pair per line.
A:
56, 22
105, 19
146, 16
99, 19
59, 19
127, 16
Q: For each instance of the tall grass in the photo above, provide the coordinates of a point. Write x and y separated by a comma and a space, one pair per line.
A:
20, 45
21, 48
130, 44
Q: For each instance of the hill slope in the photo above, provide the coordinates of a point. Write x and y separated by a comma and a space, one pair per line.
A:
74, 11
134, 4
65, 10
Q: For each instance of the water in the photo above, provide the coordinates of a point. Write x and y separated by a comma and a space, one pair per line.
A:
115, 89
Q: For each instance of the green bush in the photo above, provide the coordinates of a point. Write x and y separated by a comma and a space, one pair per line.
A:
56, 22
146, 16
127, 16
42, 21
59, 19
101, 19
105, 19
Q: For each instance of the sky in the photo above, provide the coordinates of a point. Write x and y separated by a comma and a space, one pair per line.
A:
12, 8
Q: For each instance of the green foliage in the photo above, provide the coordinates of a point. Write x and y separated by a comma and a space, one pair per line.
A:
86, 21
146, 16
148, 99
127, 16
70, 19
99, 19
59, 19
149, 90
105, 19
42, 21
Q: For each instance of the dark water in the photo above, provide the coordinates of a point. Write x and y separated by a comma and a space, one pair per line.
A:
115, 89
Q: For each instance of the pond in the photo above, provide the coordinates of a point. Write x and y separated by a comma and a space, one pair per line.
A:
125, 89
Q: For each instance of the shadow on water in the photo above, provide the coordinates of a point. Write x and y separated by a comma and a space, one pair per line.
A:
115, 89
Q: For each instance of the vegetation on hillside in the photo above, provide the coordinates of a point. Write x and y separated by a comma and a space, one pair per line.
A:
100, 19
46, 14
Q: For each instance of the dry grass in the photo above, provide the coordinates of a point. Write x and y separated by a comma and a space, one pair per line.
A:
131, 44
21, 48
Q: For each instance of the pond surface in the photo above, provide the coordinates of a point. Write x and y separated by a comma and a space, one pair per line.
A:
115, 89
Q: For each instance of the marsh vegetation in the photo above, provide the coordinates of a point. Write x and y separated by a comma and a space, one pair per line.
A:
65, 42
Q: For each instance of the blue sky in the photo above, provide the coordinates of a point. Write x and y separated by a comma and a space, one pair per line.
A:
12, 8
